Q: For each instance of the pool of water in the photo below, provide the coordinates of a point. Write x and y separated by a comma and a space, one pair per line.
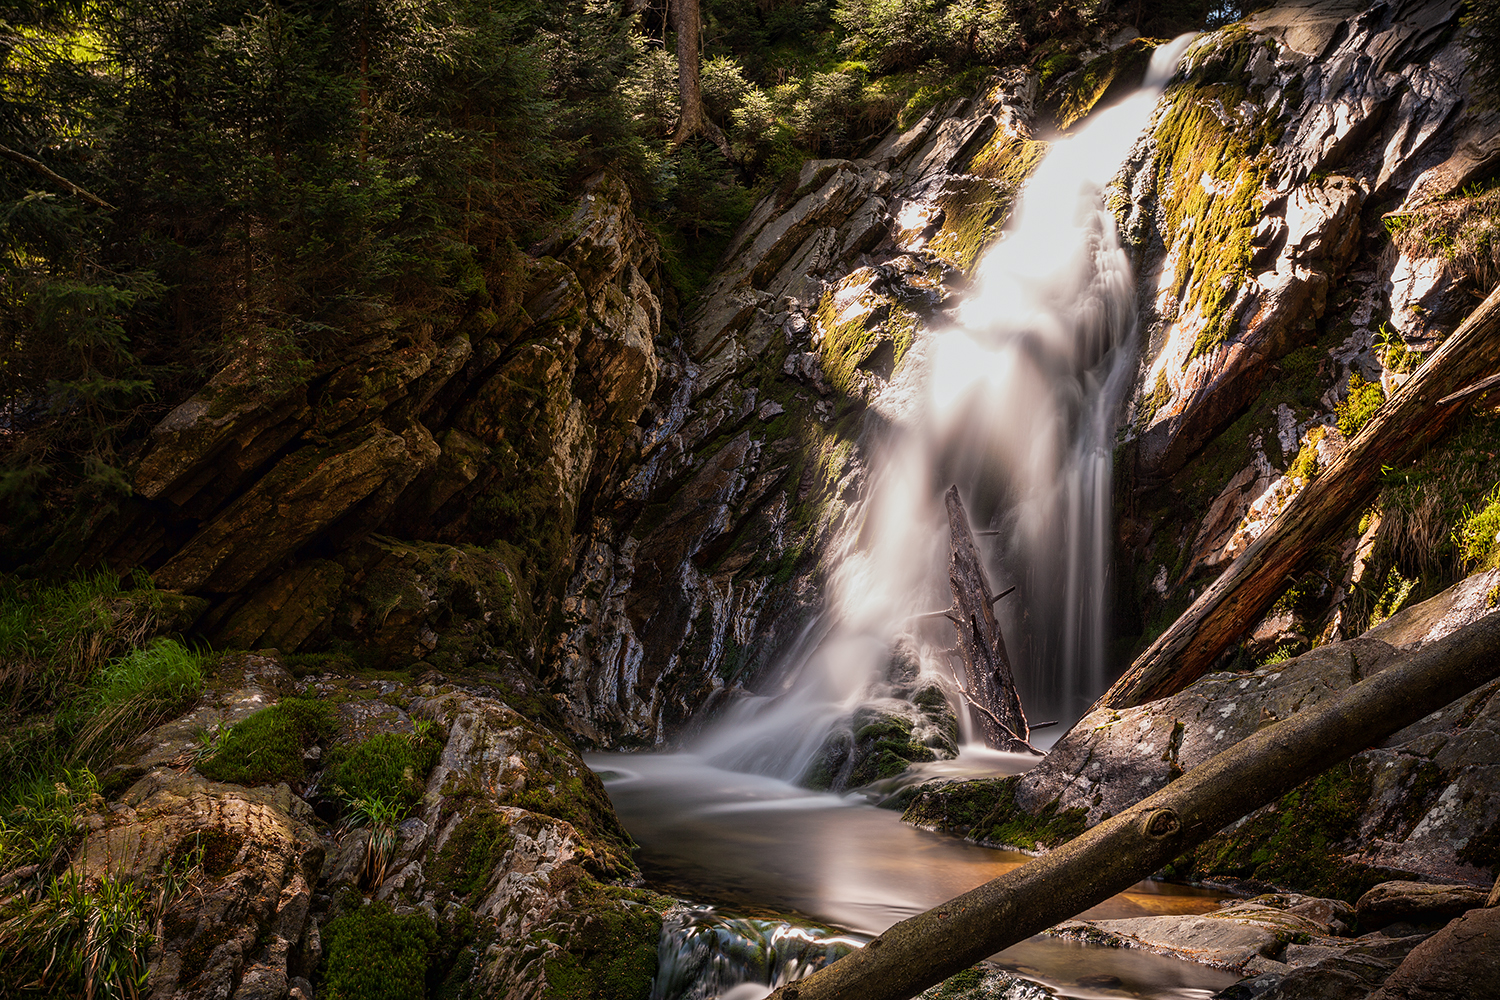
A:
761, 846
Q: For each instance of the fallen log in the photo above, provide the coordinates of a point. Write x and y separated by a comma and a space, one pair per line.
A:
926, 949
991, 687
1415, 416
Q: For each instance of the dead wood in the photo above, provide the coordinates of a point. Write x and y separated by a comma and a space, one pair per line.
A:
1416, 415
989, 685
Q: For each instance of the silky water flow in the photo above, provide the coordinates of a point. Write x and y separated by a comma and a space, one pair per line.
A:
1015, 404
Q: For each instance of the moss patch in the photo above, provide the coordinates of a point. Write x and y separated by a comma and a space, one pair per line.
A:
472, 853
609, 946
1296, 843
986, 811
1211, 165
1358, 407
373, 954
267, 748
388, 767
1106, 76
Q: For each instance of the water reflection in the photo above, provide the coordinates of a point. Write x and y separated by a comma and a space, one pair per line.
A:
757, 845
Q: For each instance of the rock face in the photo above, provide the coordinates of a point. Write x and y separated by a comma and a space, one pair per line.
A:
418, 497
1270, 288
513, 859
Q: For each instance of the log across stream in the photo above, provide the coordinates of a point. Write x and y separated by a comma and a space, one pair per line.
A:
758, 846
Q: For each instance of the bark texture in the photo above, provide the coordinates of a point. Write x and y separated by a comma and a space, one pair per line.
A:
1416, 416
927, 948
991, 688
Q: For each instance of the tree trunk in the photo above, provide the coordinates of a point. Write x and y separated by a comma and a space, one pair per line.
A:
924, 950
1417, 415
991, 688
687, 21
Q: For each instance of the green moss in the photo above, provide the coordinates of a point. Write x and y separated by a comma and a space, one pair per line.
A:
473, 852
1477, 535
1296, 844
1359, 405
1161, 395
1209, 175
373, 954
1483, 849
268, 747
1305, 466
986, 811
609, 949
1123, 68
390, 768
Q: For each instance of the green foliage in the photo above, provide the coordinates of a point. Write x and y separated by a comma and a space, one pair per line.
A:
138, 690
385, 775
87, 939
39, 825
893, 34
1358, 405
268, 747
373, 954
1477, 535
53, 638
1463, 229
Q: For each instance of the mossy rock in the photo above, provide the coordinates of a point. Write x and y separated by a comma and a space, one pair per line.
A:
268, 747
986, 811
389, 768
608, 946
371, 953
1297, 844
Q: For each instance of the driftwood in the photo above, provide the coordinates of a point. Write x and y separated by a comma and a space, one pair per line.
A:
926, 949
1415, 416
991, 688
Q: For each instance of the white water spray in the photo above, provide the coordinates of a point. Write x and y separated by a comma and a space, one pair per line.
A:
1018, 410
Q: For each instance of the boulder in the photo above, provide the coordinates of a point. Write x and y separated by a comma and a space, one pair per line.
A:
1460, 960
236, 933
1416, 903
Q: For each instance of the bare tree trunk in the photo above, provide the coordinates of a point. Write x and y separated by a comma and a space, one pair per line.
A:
687, 21
1417, 415
924, 950
991, 688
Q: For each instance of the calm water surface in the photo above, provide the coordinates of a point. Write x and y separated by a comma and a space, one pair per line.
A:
759, 845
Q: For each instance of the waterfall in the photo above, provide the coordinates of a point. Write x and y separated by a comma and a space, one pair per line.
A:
1016, 405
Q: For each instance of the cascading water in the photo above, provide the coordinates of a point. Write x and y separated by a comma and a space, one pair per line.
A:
1017, 408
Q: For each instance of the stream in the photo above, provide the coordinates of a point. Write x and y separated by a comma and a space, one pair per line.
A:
756, 846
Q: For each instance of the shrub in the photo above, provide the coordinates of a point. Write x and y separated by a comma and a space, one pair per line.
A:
373, 954
268, 747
